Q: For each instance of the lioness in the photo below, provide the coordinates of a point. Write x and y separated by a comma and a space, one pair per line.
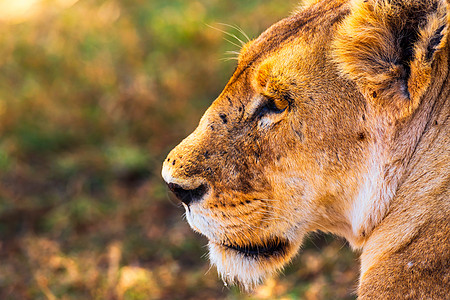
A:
336, 119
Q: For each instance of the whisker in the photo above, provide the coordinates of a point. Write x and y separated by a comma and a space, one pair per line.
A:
343, 245
238, 29
285, 211
250, 226
312, 241
229, 34
228, 58
232, 52
268, 200
231, 42
209, 269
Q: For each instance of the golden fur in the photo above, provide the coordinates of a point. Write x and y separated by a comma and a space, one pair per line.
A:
336, 119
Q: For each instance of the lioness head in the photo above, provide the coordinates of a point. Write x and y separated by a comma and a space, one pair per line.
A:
300, 137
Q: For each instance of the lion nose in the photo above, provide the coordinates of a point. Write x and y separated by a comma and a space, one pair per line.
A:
188, 196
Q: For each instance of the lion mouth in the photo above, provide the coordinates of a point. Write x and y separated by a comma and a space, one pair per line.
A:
274, 247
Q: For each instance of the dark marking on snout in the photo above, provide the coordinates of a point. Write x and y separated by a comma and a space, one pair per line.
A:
224, 118
361, 136
229, 101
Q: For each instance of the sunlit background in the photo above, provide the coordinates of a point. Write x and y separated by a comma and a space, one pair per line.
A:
93, 95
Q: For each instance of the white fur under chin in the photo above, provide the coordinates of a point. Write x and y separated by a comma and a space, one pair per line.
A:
372, 201
235, 268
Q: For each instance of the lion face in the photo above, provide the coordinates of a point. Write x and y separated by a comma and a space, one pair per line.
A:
271, 157
289, 147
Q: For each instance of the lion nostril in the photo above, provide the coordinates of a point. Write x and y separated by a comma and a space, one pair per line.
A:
188, 196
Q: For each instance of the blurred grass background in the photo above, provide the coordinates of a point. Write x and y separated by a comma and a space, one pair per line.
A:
93, 95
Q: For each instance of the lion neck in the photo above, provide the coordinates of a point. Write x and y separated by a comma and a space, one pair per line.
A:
394, 157
414, 189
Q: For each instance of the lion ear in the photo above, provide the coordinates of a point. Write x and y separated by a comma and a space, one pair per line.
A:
388, 47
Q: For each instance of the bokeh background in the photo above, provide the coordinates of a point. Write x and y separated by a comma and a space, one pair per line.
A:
93, 95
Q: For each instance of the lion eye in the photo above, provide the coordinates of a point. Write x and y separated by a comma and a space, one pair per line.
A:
280, 104
272, 106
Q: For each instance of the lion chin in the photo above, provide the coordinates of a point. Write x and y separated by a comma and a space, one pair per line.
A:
249, 265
